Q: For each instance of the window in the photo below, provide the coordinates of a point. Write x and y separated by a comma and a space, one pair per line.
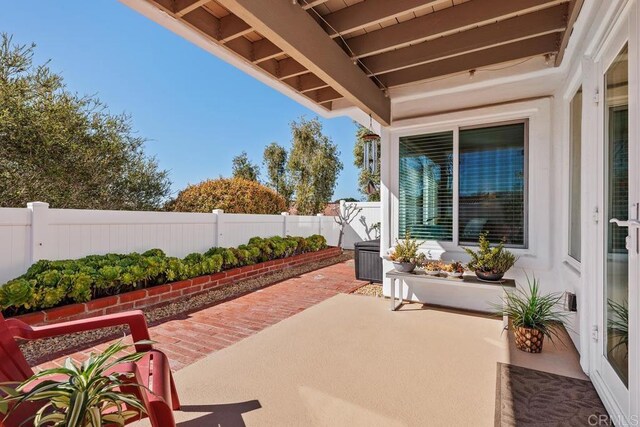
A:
575, 148
426, 186
492, 192
491, 182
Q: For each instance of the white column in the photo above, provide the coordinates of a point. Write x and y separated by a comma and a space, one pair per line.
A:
39, 230
385, 191
219, 213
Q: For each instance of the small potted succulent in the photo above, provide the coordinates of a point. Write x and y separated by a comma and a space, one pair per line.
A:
405, 254
533, 316
490, 263
454, 269
432, 268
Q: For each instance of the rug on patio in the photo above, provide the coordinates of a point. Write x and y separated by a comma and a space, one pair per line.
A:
527, 397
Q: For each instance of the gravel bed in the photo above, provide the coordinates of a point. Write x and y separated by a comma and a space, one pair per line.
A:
43, 350
372, 290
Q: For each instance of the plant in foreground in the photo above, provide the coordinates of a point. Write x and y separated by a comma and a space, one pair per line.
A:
92, 394
533, 315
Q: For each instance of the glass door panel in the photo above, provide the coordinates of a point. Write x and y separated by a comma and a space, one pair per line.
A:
616, 280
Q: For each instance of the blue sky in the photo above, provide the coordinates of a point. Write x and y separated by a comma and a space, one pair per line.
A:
197, 111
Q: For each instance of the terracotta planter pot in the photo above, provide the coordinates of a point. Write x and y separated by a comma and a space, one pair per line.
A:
528, 339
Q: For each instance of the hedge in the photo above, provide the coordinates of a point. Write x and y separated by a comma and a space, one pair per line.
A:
234, 195
49, 284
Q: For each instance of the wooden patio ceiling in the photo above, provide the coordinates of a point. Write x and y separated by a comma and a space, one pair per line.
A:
354, 50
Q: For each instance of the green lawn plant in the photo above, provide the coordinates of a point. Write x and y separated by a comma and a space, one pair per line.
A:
80, 395
53, 283
531, 309
487, 259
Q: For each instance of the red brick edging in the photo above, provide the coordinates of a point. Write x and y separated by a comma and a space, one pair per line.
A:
169, 292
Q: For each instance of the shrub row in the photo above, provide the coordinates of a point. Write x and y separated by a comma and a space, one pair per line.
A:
53, 283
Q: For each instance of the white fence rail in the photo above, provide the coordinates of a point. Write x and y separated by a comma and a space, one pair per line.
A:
38, 232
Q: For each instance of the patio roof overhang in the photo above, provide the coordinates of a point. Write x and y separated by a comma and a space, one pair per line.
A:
337, 54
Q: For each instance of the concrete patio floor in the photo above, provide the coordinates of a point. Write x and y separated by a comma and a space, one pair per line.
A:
349, 361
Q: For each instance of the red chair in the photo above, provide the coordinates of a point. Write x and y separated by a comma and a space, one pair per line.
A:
152, 370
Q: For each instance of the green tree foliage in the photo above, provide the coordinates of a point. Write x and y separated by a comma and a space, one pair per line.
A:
314, 165
66, 149
275, 162
235, 195
358, 161
244, 168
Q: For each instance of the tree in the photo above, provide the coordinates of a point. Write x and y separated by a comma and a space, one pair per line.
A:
314, 165
344, 218
66, 149
235, 195
244, 168
358, 160
275, 162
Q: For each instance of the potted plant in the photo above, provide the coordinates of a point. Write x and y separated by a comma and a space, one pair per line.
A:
79, 395
405, 254
454, 269
533, 316
432, 268
490, 263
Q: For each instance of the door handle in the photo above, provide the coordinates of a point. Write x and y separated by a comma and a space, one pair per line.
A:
632, 223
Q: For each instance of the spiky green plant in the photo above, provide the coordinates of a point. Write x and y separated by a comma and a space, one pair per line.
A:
531, 309
496, 260
619, 322
91, 394
406, 250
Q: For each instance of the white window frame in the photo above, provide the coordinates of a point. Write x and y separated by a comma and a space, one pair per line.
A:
575, 84
537, 113
456, 180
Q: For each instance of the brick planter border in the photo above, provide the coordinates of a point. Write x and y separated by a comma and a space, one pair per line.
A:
170, 292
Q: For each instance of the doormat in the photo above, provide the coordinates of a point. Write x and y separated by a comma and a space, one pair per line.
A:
526, 397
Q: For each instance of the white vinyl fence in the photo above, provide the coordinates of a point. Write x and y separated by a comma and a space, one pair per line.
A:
38, 232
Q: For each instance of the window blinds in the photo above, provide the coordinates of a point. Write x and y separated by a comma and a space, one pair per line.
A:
426, 186
492, 184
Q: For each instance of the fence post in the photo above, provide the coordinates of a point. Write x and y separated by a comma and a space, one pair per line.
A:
219, 213
319, 216
39, 230
285, 230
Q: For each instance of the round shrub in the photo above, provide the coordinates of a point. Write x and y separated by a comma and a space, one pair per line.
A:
234, 195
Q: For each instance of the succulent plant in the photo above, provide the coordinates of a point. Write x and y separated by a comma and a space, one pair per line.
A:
489, 259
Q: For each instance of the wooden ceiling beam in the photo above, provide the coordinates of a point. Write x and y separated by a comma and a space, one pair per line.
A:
522, 49
324, 95
371, 12
305, 82
203, 22
232, 27
182, 7
264, 50
289, 67
295, 32
572, 14
308, 4
448, 21
503, 32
